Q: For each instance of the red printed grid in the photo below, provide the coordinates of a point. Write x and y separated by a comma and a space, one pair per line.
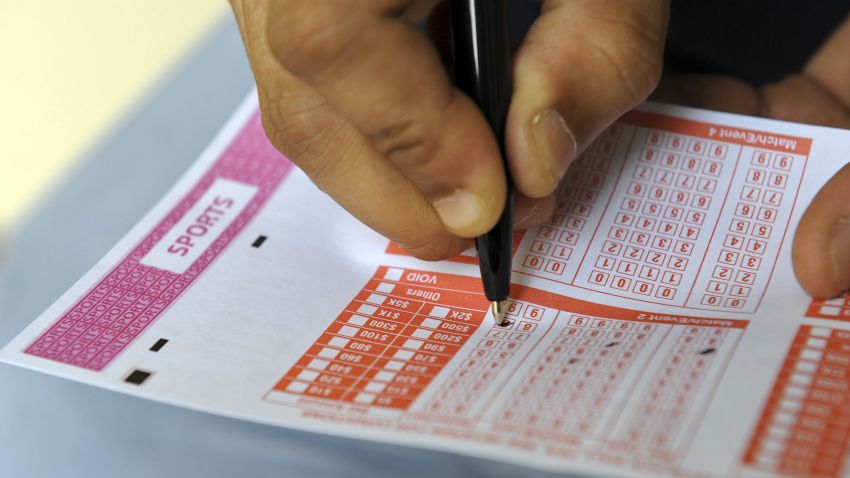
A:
804, 429
391, 340
836, 309
131, 296
639, 387
694, 221
572, 384
555, 250
752, 227
666, 413
565, 377
666, 191
484, 366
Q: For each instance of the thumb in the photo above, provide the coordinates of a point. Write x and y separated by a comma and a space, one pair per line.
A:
821, 251
581, 66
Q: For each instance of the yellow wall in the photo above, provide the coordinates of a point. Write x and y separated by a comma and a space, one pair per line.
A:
70, 69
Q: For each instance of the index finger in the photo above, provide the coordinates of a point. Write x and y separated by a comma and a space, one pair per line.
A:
338, 157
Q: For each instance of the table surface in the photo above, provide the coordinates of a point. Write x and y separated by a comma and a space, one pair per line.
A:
72, 71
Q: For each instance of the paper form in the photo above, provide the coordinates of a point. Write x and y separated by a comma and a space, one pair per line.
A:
655, 323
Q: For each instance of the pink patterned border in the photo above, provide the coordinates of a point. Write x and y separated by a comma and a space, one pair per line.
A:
115, 311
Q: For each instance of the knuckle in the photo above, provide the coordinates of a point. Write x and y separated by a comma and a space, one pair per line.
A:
405, 143
410, 142
635, 54
305, 36
425, 238
431, 247
781, 100
332, 172
637, 72
305, 134
647, 74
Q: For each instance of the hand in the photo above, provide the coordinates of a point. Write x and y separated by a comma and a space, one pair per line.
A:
358, 98
820, 94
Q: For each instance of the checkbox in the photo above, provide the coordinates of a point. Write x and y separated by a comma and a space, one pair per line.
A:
376, 298
785, 418
403, 354
830, 310
394, 365
338, 342
375, 387
385, 287
791, 405
801, 379
813, 355
421, 333
431, 323
441, 312
364, 398
820, 331
307, 375
328, 353
413, 344
318, 364
393, 274
806, 367
778, 434
773, 447
814, 343
384, 376
366, 309
296, 387
348, 331
795, 392
357, 320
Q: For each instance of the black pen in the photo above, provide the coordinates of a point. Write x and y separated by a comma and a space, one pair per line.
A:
482, 68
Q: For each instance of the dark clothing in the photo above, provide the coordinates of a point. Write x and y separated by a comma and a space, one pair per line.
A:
759, 41
756, 40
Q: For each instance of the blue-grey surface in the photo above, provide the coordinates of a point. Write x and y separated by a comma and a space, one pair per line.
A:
58, 428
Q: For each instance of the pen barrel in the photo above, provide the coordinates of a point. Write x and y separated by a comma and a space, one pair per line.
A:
482, 57
482, 70
495, 255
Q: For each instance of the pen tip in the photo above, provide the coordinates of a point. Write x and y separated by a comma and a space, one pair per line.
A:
498, 309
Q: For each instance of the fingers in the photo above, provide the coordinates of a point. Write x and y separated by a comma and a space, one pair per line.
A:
386, 79
529, 212
419, 10
714, 92
821, 251
830, 66
582, 65
336, 155
797, 98
820, 94
801, 99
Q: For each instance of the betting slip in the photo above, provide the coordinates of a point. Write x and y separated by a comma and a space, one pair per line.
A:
655, 324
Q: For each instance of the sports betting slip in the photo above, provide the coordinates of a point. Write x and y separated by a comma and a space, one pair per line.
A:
656, 326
